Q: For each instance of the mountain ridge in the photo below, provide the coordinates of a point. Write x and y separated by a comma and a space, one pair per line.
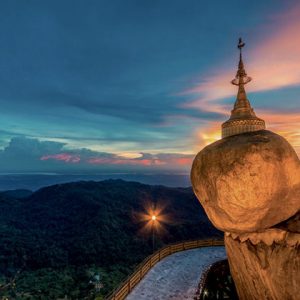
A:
66, 231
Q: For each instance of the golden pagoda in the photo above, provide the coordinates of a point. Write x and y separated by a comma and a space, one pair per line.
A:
243, 118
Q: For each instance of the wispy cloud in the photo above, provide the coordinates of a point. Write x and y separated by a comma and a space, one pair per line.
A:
106, 159
274, 62
66, 157
286, 124
126, 161
23, 154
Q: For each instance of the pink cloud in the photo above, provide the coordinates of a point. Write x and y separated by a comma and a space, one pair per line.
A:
146, 160
126, 161
66, 157
184, 161
274, 63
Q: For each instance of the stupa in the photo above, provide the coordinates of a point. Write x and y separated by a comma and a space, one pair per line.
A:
249, 186
243, 118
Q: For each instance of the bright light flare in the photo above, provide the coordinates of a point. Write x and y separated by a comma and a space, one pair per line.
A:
153, 218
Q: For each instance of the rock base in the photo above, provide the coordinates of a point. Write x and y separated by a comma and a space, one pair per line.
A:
262, 271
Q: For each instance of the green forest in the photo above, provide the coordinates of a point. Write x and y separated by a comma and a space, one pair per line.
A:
80, 240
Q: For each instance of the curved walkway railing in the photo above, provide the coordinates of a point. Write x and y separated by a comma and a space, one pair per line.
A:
126, 286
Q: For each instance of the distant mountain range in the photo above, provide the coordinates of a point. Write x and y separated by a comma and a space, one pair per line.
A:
36, 181
54, 240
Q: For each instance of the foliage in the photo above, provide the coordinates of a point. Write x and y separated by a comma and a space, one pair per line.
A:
55, 240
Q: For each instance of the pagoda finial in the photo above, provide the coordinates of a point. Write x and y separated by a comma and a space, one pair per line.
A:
243, 118
241, 77
241, 44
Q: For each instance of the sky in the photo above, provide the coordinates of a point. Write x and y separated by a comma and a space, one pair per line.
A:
138, 86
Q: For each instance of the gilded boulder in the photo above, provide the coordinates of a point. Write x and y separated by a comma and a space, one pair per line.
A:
248, 182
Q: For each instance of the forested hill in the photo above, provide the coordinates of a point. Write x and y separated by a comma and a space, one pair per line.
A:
55, 240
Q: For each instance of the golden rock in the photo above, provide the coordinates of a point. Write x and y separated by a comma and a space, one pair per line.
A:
248, 182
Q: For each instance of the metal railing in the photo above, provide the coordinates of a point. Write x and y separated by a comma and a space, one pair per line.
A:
126, 286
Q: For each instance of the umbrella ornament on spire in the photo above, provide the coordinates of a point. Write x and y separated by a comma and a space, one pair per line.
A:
241, 75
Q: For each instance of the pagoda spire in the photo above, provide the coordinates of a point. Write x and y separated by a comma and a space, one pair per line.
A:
243, 118
241, 79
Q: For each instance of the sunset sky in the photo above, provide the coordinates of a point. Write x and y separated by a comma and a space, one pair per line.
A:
138, 86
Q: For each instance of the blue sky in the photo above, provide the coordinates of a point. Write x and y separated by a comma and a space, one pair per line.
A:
137, 85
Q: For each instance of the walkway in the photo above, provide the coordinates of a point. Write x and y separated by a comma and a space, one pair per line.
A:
176, 276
